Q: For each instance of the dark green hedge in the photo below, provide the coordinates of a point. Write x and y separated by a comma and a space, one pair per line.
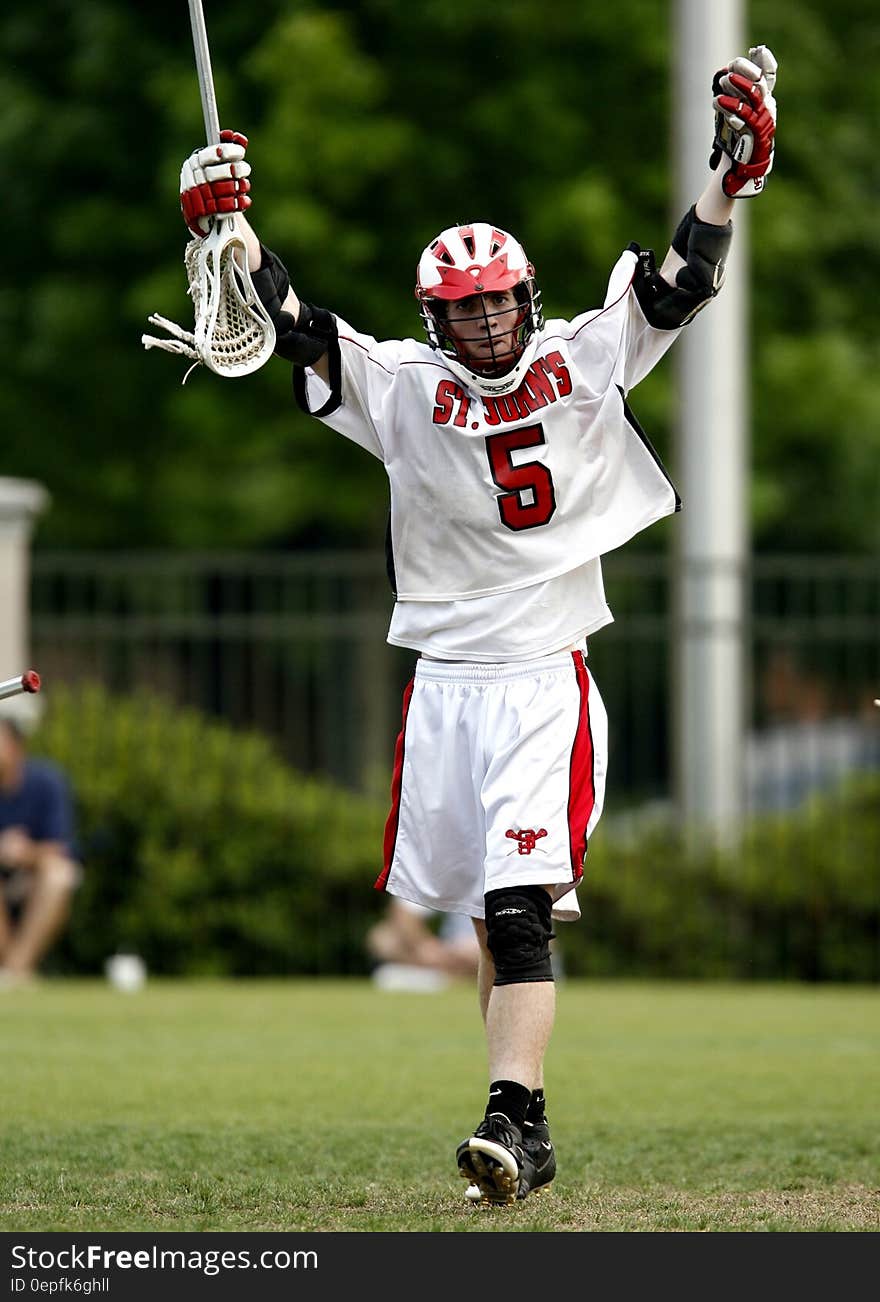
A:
799, 900
207, 854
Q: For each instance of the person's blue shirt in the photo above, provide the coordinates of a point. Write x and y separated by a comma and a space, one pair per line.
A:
42, 805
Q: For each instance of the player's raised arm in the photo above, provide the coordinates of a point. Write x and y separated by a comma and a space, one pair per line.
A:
214, 181
742, 157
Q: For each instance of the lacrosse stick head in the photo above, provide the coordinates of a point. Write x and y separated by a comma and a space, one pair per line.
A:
233, 333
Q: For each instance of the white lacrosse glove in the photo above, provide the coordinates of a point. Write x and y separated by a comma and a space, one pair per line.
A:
213, 182
745, 121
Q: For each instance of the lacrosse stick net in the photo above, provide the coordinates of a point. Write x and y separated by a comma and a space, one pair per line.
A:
233, 334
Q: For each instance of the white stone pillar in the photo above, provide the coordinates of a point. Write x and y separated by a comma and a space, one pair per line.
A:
712, 469
21, 501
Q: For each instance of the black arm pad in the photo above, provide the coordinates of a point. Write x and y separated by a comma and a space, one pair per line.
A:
305, 340
704, 248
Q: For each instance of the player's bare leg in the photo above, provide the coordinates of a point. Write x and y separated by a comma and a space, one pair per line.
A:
486, 970
507, 1030
519, 1022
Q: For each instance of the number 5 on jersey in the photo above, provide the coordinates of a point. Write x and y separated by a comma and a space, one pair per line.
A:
529, 499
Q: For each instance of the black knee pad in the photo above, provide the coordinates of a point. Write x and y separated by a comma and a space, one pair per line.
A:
518, 933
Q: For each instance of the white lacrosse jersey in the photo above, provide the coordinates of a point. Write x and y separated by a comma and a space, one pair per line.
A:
505, 495
522, 625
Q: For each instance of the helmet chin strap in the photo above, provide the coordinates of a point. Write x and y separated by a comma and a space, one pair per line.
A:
495, 363
494, 386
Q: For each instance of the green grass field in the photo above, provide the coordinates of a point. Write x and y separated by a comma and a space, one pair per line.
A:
330, 1105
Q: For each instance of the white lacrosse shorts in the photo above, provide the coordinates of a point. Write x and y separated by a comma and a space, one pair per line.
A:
499, 780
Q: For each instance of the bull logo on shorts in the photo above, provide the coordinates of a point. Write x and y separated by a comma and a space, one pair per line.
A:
527, 837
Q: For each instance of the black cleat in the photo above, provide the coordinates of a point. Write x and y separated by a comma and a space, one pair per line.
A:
494, 1162
537, 1146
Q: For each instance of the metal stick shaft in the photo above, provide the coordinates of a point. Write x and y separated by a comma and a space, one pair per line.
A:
203, 68
27, 682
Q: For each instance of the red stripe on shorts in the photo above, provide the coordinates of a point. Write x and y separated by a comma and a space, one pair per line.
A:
396, 782
581, 785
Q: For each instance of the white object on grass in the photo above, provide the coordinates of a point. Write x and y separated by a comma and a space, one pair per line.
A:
403, 976
126, 972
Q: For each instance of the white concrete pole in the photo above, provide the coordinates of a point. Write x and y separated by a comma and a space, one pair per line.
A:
711, 463
21, 501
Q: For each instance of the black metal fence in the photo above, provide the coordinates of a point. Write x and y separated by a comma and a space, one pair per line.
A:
294, 645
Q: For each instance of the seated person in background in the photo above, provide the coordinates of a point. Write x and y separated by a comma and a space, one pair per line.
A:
405, 947
39, 869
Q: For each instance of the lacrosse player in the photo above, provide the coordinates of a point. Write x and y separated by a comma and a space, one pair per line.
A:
514, 464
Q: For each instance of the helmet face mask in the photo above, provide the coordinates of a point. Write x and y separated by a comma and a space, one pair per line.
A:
470, 280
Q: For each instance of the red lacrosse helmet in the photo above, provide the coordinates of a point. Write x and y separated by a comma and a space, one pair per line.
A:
472, 260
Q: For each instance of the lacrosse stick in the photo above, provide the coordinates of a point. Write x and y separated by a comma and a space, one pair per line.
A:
27, 682
233, 334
